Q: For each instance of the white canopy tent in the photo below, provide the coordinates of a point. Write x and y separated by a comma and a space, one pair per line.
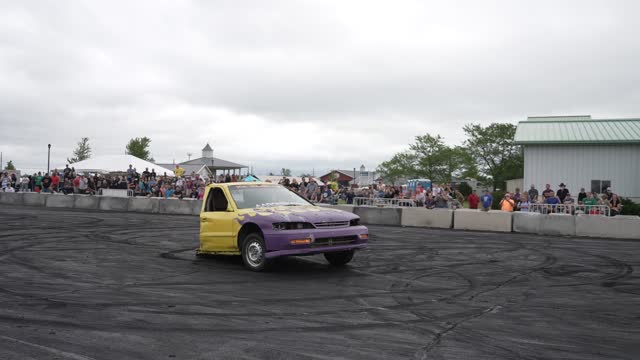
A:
116, 163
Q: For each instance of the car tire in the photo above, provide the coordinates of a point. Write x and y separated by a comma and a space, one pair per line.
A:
339, 258
254, 253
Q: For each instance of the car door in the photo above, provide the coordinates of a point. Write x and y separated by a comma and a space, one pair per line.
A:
217, 223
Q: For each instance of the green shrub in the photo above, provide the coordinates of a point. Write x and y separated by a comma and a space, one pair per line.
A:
629, 207
497, 197
465, 189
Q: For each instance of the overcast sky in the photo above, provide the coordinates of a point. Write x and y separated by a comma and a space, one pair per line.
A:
301, 84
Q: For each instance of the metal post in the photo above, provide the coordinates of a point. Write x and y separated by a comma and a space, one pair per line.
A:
48, 157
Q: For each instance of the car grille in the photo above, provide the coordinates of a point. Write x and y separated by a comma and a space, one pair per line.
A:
331, 224
340, 240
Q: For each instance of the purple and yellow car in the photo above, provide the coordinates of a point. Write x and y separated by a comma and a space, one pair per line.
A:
262, 221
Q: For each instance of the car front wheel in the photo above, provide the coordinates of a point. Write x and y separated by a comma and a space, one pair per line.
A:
254, 253
339, 258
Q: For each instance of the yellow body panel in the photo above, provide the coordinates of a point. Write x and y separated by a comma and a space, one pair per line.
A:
219, 230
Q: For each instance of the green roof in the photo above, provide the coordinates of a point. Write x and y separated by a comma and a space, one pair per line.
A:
578, 130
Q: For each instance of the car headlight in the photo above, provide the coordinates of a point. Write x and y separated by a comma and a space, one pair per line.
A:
355, 222
292, 226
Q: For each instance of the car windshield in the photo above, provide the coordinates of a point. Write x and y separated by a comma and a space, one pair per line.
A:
261, 196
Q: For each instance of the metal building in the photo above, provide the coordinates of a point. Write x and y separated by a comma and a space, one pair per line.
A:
581, 152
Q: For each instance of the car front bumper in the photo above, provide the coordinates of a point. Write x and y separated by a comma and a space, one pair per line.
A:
278, 243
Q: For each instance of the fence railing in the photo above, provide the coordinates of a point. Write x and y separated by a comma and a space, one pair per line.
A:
571, 209
383, 202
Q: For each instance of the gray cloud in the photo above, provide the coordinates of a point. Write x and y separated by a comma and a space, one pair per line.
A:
264, 81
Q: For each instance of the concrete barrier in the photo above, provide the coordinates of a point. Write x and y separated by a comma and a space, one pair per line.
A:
493, 220
60, 201
527, 222
113, 203
86, 202
176, 206
619, 227
379, 216
197, 207
144, 205
558, 224
34, 199
422, 217
550, 224
11, 198
347, 208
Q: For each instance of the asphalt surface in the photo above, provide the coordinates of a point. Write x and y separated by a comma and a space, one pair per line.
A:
91, 285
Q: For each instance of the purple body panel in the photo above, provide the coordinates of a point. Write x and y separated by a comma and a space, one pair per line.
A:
335, 237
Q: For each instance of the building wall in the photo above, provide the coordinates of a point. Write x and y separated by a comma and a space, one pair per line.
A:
577, 165
514, 184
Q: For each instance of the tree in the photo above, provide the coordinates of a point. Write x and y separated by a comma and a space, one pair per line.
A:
494, 150
399, 166
139, 147
10, 166
286, 172
434, 158
81, 152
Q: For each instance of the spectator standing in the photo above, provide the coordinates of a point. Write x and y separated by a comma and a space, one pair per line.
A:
486, 200
421, 197
5, 181
350, 196
507, 204
38, 182
533, 194
459, 198
55, 182
523, 205
553, 201
178, 171
562, 192
581, 196
24, 184
604, 201
615, 205
516, 197
548, 192
568, 204
441, 202
83, 184
76, 184
311, 188
131, 172
589, 202
473, 200
67, 186
609, 193
46, 183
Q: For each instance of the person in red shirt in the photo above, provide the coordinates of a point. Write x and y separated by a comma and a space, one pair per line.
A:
473, 200
55, 182
76, 184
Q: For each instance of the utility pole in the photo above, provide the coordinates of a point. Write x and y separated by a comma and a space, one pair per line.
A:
48, 157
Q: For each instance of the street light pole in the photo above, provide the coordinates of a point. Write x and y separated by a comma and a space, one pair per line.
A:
48, 157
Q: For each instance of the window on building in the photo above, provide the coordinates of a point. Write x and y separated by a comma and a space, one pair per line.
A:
600, 186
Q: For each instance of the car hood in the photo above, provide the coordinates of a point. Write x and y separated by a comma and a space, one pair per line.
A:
311, 214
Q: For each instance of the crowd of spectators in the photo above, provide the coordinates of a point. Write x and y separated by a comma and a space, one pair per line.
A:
561, 201
438, 196
140, 183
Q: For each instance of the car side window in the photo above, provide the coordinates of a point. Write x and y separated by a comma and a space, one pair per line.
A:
217, 201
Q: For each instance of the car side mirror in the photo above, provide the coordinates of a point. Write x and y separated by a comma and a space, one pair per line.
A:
229, 209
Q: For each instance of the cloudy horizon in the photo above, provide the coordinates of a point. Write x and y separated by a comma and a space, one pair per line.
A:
301, 84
